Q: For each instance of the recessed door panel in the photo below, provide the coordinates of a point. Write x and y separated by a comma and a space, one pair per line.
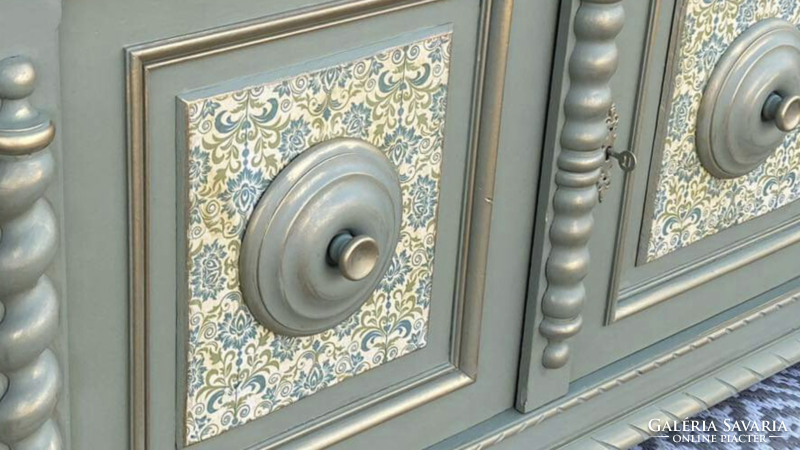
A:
301, 195
685, 233
696, 192
688, 200
237, 143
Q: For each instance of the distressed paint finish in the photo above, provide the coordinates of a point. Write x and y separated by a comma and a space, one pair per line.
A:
689, 203
29, 308
237, 142
591, 66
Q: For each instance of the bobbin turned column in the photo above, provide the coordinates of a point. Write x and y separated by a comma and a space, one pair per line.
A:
29, 307
592, 64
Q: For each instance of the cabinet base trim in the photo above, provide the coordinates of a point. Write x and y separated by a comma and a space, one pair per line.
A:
741, 374
695, 397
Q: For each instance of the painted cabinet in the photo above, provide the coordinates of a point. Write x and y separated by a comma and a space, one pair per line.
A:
441, 224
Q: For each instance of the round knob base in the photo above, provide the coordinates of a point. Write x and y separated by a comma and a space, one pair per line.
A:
321, 237
750, 102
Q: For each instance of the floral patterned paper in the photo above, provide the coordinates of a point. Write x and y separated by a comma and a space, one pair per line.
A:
690, 204
237, 143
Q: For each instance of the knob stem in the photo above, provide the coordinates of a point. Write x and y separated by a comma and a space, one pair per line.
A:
784, 111
356, 257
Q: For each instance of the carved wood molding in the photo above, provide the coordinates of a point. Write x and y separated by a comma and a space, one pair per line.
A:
592, 64
695, 398
789, 355
29, 309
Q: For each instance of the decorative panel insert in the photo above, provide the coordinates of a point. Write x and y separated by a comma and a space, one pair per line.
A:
689, 203
238, 141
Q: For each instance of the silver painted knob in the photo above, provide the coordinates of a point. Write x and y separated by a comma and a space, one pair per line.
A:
747, 109
356, 257
321, 237
784, 111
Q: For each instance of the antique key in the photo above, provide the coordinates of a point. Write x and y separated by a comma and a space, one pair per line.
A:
625, 159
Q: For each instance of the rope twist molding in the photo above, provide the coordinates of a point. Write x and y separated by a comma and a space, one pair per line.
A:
592, 64
30, 377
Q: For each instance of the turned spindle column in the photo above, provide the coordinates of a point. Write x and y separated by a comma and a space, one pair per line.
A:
591, 65
30, 377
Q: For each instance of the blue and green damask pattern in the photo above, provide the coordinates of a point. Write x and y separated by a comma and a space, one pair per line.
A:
690, 204
238, 142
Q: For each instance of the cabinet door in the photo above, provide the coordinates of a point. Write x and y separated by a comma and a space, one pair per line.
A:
707, 219
207, 122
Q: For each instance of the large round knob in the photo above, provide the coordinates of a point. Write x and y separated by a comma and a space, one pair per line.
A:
751, 101
783, 110
321, 237
356, 257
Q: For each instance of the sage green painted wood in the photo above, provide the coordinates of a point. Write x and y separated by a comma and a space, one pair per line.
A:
30, 29
638, 381
602, 245
549, 383
587, 57
93, 131
102, 282
265, 63
581, 155
29, 235
690, 400
93, 35
522, 146
679, 290
648, 135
